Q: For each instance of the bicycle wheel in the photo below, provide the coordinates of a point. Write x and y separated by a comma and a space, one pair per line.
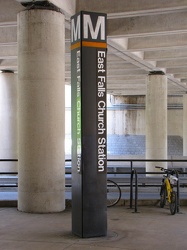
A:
163, 196
113, 193
173, 204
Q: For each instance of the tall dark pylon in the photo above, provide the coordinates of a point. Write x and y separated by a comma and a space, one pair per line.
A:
89, 146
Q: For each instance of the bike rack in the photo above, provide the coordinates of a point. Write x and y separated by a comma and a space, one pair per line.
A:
178, 190
131, 188
134, 173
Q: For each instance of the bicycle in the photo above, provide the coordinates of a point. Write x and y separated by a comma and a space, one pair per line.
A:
113, 193
166, 192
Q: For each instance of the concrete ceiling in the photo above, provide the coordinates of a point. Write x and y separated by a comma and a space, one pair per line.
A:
143, 36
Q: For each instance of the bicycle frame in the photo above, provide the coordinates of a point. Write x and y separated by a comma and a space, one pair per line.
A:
168, 188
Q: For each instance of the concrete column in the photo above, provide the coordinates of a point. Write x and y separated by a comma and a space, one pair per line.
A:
41, 87
185, 125
8, 120
156, 120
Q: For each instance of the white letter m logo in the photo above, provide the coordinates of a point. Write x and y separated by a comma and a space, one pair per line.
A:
100, 25
75, 29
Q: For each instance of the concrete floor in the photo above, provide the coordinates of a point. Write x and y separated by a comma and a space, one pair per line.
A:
151, 229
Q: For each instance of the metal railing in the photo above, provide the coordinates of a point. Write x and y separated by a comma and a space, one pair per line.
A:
133, 172
8, 173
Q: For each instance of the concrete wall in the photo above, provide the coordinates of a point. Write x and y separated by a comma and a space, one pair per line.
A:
124, 119
128, 122
175, 122
123, 122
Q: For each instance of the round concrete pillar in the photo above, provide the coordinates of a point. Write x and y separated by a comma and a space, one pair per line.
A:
8, 120
41, 87
185, 125
156, 120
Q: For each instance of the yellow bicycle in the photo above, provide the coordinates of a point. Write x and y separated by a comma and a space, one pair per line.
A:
166, 192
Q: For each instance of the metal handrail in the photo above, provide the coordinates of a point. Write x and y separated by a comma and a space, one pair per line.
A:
8, 159
148, 160
132, 172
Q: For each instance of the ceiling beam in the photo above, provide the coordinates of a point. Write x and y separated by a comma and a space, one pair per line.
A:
9, 10
121, 8
148, 25
176, 70
165, 54
8, 35
157, 42
172, 63
8, 51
